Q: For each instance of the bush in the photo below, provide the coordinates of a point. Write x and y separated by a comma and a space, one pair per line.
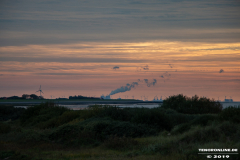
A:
96, 130
202, 136
66, 117
4, 128
6, 154
181, 128
155, 117
12, 155
179, 118
120, 143
202, 120
229, 128
104, 127
10, 113
220, 132
30, 136
72, 135
41, 113
194, 105
230, 114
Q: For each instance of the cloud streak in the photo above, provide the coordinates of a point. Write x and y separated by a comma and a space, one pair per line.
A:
65, 22
71, 60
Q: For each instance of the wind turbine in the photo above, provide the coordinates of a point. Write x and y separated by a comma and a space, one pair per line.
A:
40, 90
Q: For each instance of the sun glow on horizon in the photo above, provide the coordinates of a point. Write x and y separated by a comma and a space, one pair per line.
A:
178, 65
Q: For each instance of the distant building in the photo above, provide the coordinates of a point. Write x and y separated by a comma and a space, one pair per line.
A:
157, 100
61, 98
228, 100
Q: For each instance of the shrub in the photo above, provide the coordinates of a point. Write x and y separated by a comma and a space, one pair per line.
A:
72, 135
155, 117
121, 114
231, 114
194, 105
60, 120
219, 132
120, 143
4, 128
96, 130
104, 127
30, 136
181, 128
201, 120
12, 155
202, 136
229, 128
10, 112
41, 113
179, 118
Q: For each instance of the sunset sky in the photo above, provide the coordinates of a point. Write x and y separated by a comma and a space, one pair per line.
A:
94, 47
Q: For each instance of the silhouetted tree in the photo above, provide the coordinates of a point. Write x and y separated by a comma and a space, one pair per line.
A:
34, 96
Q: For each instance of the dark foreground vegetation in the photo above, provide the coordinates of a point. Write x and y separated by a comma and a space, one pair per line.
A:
174, 131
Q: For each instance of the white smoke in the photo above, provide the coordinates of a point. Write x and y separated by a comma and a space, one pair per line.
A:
128, 87
149, 84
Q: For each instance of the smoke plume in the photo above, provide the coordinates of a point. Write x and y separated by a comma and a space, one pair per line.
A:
145, 67
149, 84
116, 67
128, 87
165, 75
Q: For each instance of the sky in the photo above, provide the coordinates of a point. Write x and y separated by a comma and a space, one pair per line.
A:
127, 49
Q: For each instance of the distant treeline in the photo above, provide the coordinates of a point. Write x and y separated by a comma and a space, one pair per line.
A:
82, 97
34, 96
24, 96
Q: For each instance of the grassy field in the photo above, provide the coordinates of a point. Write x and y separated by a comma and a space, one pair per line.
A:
50, 132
